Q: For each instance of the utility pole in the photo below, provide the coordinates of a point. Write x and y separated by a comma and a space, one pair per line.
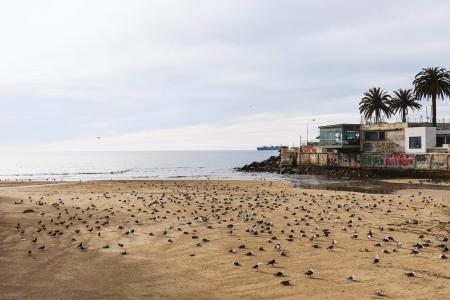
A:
307, 134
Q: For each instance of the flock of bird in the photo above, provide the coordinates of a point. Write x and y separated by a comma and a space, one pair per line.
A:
273, 219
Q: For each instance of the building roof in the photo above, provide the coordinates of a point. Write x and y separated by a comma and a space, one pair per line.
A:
340, 125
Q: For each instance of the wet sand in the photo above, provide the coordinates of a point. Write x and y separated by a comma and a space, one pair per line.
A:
172, 239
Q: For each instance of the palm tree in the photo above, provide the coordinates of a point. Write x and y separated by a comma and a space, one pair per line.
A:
375, 102
432, 83
402, 101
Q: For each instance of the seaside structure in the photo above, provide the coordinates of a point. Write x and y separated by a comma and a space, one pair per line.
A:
414, 146
340, 138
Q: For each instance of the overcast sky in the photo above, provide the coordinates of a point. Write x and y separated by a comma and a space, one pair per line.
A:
152, 75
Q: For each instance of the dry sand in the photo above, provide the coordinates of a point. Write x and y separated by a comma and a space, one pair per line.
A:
177, 236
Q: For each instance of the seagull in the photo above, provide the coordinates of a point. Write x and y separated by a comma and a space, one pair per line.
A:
286, 282
271, 262
411, 274
257, 266
310, 272
380, 293
236, 263
279, 274
376, 259
351, 278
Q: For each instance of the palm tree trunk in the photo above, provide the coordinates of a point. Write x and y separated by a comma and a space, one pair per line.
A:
404, 116
433, 109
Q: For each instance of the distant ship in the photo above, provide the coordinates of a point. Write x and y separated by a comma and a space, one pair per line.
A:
270, 148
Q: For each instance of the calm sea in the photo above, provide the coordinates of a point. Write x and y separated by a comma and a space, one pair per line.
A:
130, 165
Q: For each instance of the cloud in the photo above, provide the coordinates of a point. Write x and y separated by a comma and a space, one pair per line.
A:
74, 69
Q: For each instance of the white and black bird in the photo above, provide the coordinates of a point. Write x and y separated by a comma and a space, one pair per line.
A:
351, 278
376, 259
258, 266
310, 272
380, 293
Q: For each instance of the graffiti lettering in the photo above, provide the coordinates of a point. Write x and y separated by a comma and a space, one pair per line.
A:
399, 160
385, 147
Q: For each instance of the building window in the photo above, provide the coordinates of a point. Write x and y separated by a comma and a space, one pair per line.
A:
374, 135
415, 142
442, 139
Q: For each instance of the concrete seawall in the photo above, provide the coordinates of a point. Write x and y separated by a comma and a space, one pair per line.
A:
413, 163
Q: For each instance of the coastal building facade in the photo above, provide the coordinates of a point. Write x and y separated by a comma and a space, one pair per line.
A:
384, 145
340, 138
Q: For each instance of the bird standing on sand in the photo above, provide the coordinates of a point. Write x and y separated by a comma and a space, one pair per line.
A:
351, 278
380, 293
257, 266
286, 282
411, 274
279, 274
376, 259
310, 272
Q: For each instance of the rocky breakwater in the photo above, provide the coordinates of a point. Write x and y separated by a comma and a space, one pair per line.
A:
272, 165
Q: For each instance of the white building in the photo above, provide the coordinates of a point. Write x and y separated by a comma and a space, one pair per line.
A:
419, 139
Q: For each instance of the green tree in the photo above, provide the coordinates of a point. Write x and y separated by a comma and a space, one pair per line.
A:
402, 101
432, 83
375, 103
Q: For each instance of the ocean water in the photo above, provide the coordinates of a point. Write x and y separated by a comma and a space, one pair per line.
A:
130, 165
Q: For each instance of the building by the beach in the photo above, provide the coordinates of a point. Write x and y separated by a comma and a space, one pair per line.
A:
381, 145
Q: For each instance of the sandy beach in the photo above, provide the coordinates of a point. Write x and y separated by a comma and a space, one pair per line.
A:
211, 239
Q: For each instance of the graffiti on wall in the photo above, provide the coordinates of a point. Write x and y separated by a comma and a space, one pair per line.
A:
348, 160
439, 161
385, 147
304, 158
405, 161
333, 159
399, 160
372, 160
323, 159
422, 161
